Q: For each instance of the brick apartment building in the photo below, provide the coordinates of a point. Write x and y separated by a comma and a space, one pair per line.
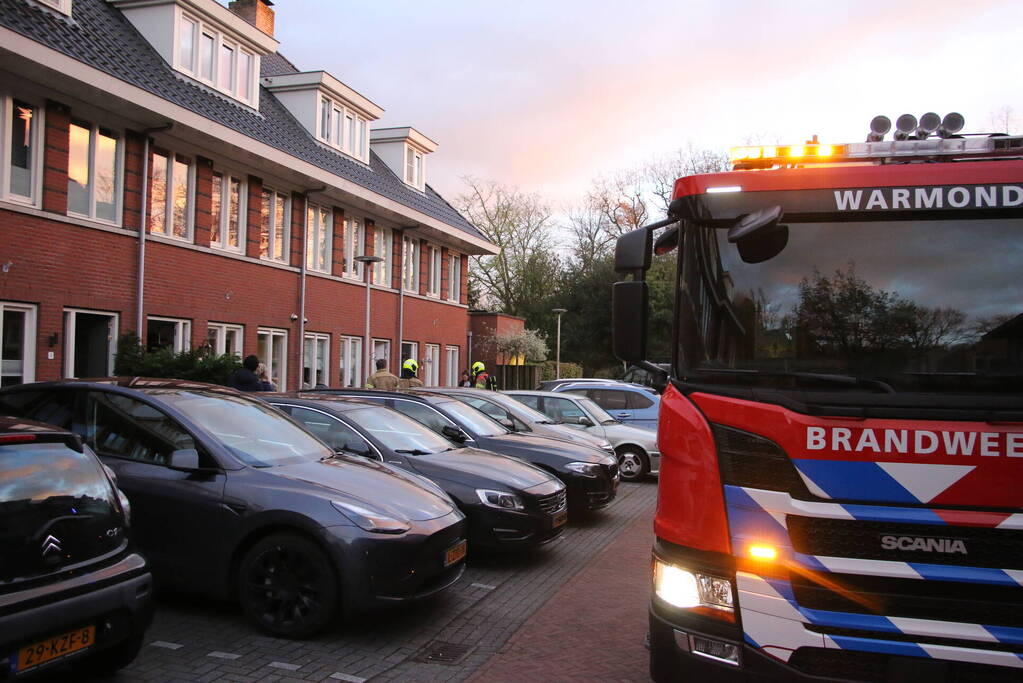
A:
263, 184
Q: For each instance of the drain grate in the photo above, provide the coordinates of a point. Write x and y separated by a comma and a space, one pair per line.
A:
440, 652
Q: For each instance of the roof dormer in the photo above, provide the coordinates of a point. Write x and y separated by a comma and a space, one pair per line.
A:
404, 150
205, 41
332, 112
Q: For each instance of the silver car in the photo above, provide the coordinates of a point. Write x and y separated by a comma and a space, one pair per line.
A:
636, 448
521, 418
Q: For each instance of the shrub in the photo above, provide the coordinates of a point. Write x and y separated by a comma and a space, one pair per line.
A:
548, 370
198, 365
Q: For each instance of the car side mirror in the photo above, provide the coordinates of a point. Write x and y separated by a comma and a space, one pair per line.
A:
454, 433
507, 423
585, 421
184, 459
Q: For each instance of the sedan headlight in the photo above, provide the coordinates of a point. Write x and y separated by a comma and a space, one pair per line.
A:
681, 587
500, 499
371, 519
587, 469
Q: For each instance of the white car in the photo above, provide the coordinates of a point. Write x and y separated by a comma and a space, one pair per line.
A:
636, 448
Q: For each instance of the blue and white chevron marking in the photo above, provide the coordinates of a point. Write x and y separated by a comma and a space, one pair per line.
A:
773, 622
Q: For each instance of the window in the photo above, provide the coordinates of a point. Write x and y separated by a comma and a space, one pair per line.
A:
22, 150
168, 333
93, 184
563, 410
381, 351
354, 246
317, 357
434, 261
318, 238
272, 349
637, 401
125, 427
452, 373
170, 207
410, 264
62, 6
430, 373
224, 338
382, 247
608, 399
530, 401
274, 225
17, 343
333, 432
342, 128
409, 350
351, 362
454, 276
424, 415
228, 207
414, 169
207, 55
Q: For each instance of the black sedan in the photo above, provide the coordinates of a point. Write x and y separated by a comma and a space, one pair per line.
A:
233, 499
591, 477
508, 503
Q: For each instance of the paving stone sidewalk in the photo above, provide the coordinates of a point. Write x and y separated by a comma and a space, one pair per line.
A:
198, 640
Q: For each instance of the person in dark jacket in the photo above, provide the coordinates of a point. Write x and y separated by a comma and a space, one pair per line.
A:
245, 377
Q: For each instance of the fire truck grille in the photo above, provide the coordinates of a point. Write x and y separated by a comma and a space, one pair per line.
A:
930, 543
869, 666
974, 603
749, 460
554, 502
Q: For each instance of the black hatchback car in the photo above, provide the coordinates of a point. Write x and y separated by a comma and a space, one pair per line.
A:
591, 477
508, 503
233, 499
71, 587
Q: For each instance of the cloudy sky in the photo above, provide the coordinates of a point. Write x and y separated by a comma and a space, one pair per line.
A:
547, 94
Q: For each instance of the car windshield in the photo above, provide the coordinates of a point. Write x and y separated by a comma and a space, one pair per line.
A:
601, 415
254, 432
474, 420
397, 432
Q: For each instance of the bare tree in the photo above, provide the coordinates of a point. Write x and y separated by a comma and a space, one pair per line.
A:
660, 175
620, 200
1002, 120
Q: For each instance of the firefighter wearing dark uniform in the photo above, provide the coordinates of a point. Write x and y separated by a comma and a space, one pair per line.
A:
408, 380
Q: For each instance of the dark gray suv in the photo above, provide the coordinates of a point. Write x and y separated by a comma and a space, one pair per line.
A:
71, 588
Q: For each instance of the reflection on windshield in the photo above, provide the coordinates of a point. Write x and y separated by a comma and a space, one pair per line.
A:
397, 432
257, 434
934, 306
477, 422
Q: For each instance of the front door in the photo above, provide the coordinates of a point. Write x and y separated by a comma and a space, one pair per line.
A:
90, 339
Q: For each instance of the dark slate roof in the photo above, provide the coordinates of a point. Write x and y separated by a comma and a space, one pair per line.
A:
102, 37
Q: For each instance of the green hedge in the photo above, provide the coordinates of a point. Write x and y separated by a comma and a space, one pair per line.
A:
198, 365
568, 370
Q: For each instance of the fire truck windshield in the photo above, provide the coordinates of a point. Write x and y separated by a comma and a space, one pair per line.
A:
933, 307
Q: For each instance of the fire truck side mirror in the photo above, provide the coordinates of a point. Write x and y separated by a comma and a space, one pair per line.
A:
630, 305
632, 252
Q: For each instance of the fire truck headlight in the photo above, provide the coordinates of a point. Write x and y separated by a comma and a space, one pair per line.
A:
683, 588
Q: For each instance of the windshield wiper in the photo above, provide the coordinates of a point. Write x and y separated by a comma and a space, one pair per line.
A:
848, 380
412, 451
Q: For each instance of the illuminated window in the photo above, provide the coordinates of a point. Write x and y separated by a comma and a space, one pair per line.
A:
274, 225
170, 207
354, 246
22, 150
205, 54
228, 210
319, 235
410, 264
94, 174
382, 247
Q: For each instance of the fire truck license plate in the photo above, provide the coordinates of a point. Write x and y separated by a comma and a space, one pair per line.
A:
560, 518
33, 655
456, 553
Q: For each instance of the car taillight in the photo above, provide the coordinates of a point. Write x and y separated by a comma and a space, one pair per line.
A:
16, 438
754, 462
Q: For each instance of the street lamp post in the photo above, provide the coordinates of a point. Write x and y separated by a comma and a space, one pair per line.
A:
557, 353
367, 352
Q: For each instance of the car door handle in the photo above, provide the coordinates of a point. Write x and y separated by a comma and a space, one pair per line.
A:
623, 414
396, 462
235, 507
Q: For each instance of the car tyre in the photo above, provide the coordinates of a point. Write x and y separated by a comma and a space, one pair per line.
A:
632, 464
287, 586
113, 659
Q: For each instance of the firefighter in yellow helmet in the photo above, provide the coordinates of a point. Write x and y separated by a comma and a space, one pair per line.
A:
481, 379
409, 369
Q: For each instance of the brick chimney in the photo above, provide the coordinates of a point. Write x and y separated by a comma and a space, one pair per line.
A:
256, 12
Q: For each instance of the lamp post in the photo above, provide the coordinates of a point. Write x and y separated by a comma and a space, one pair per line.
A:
557, 356
367, 353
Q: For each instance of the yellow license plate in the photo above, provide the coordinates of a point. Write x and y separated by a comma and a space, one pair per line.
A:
560, 518
456, 553
44, 651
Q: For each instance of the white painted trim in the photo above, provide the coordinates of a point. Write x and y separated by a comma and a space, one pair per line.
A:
29, 337
182, 331
221, 17
185, 118
70, 321
332, 87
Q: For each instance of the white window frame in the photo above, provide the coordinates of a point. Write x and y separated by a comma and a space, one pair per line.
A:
383, 246
350, 362
272, 228
452, 373
62, 6
275, 338
36, 152
226, 176
314, 341
317, 230
415, 168
70, 319
219, 42
454, 276
434, 263
182, 332
118, 189
218, 332
410, 264
28, 340
355, 245
415, 352
342, 128
168, 208
431, 365
386, 355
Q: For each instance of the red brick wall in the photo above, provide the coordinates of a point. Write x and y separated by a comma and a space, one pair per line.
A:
463, 289
424, 266
204, 201
337, 248
297, 229
133, 145
55, 157
251, 239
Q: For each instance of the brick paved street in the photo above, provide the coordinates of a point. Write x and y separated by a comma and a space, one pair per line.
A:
572, 610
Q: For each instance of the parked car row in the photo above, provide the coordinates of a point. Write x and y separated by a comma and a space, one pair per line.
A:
301, 507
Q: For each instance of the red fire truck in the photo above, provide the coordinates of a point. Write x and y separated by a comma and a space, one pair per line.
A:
841, 486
